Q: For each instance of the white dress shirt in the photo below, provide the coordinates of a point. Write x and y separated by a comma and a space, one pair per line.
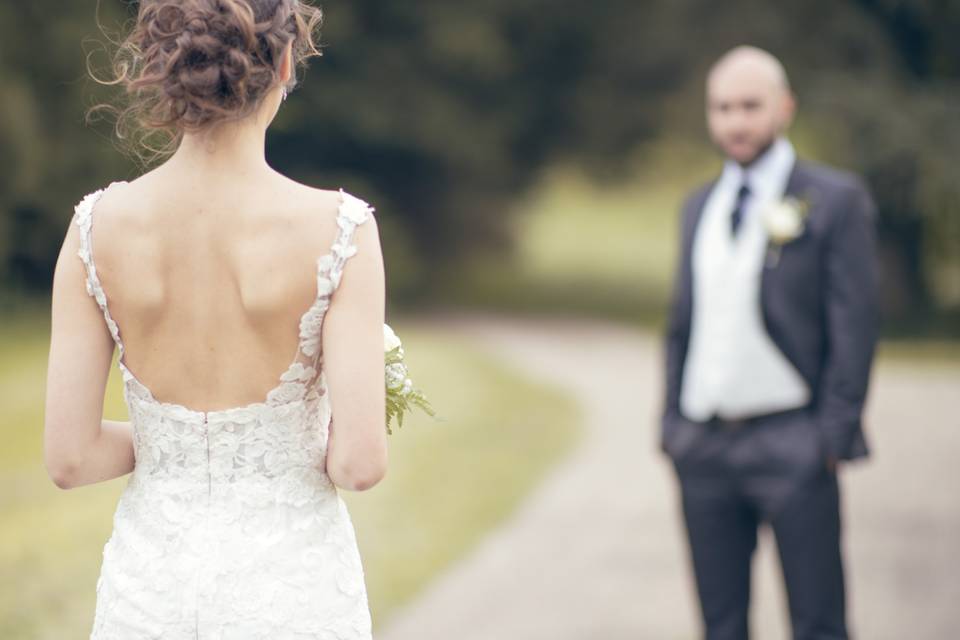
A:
733, 368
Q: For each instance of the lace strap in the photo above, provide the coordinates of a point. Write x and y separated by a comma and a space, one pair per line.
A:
83, 217
352, 213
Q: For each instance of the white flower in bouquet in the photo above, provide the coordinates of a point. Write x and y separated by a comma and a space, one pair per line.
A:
401, 394
390, 339
396, 376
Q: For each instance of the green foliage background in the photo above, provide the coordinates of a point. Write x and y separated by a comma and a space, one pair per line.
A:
446, 115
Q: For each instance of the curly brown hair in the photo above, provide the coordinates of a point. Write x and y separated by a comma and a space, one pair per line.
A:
188, 65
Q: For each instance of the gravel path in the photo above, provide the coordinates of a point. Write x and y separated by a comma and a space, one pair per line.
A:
597, 551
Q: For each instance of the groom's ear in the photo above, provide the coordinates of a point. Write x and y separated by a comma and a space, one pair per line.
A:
788, 109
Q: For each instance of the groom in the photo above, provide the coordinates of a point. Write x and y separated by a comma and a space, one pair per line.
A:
771, 336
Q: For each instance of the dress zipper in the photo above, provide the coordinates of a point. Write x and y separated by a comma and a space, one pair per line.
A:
206, 436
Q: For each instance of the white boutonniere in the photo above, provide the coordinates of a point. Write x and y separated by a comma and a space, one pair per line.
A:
784, 221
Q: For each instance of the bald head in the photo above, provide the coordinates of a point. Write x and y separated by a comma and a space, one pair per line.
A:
757, 65
749, 102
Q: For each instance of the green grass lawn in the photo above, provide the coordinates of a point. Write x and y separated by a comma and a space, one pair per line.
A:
590, 248
450, 480
920, 353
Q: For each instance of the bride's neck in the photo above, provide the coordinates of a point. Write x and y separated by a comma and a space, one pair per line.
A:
235, 149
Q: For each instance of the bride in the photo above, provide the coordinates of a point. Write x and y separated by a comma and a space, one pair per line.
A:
247, 311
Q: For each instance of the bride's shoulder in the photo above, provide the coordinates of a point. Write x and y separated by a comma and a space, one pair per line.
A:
331, 203
105, 198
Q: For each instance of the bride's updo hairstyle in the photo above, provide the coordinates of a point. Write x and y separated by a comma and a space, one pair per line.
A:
188, 65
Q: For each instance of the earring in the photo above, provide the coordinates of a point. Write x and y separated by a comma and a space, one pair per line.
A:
283, 94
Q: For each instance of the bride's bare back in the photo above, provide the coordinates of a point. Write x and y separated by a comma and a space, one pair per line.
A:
208, 282
207, 277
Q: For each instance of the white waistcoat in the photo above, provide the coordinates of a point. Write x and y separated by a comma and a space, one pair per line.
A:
733, 368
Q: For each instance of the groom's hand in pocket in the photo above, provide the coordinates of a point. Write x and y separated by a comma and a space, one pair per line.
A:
831, 464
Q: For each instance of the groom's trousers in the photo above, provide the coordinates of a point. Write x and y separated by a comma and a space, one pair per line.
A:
736, 476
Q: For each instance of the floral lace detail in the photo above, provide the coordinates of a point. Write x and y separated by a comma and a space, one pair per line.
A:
83, 215
229, 526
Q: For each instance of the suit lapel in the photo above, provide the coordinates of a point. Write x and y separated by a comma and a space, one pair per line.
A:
698, 205
682, 312
797, 186
692, 218
797, 183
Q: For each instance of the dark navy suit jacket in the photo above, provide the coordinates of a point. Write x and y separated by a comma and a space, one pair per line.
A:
819, 303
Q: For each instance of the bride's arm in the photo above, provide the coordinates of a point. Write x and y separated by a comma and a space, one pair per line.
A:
353, 361
108, 456
79, 447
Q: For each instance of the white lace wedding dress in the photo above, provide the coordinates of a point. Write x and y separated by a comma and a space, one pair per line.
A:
229, 528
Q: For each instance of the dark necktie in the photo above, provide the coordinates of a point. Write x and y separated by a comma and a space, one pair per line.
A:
737, 216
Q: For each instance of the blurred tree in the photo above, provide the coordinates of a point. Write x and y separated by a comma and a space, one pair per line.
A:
442, 113
49, 156
899, 129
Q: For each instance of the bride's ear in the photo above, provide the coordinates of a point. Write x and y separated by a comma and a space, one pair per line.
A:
286, 64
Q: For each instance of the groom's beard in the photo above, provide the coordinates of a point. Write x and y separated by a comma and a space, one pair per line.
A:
762, 151
759, 153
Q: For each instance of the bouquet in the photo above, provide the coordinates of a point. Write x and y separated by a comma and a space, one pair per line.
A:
401, 395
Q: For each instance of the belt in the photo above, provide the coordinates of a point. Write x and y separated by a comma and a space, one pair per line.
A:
736, 424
